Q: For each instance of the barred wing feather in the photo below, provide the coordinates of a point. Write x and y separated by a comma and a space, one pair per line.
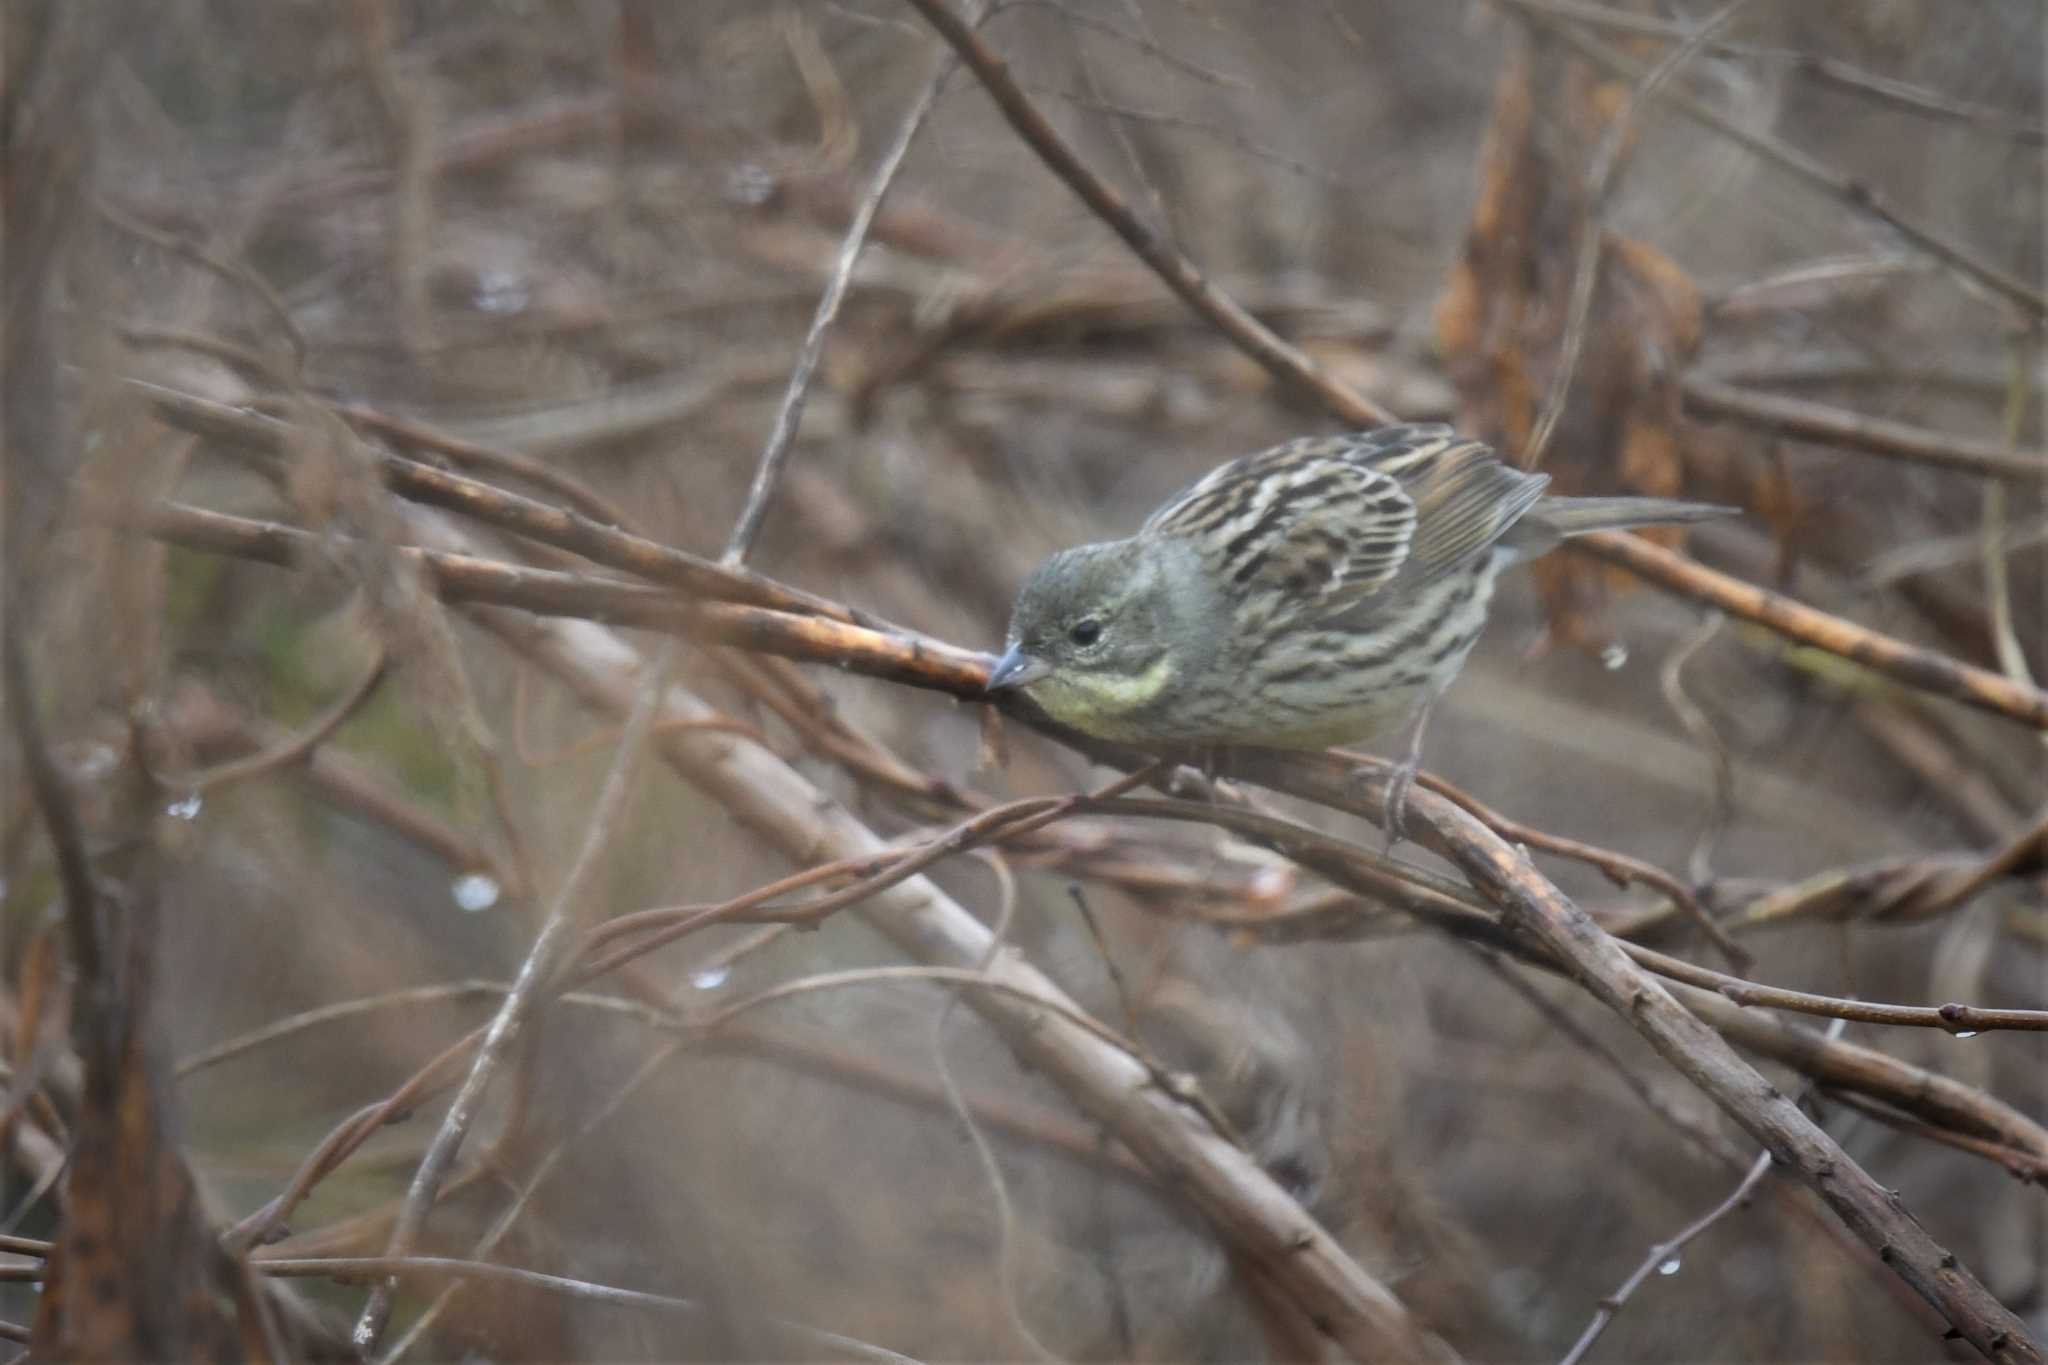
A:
1465, 498
1324, 530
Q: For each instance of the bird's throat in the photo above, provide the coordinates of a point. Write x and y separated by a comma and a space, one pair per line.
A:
1104, 704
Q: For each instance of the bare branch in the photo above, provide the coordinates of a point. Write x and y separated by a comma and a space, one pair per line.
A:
1886, 654
550, 950
783, 434
1849, 190
904, 656
1615, 145
1603, 966
1817, 422
1285, 362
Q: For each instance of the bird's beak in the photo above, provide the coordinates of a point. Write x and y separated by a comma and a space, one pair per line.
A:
1016, 669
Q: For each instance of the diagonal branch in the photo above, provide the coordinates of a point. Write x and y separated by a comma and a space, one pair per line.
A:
781, 805
1851, 191
1922, 668
1534, 906
272, 440
1180, 274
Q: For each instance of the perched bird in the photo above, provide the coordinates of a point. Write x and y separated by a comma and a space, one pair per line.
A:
1313, 594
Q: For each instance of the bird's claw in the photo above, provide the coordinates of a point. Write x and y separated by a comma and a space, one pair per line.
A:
1399, 777
1396, 820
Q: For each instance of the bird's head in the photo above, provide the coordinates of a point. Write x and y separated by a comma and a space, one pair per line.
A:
1099, 633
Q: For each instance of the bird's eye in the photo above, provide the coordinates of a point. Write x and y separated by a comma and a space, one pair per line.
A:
1085, 631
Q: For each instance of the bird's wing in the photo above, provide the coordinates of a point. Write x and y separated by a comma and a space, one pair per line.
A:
1304, 518
1465, 498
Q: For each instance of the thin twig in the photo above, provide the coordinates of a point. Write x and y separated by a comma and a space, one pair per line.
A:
1900, 890
1846, 188
409, 432
1958, 1019
203, 721
550, 949
1917, 99
1701, 1136
344, 1139
984, 1151
1721, 801
1936, 553
295, 746
1825, 425
1081, 17
1841, 1065
234, 272
2027, 849
390, 1268
1620, 868
782, 435
650, 929
1997, 582
2023, 1165
509, 1216
292, 1025
560, 527
1109, 967
1663, 1257
1615, 145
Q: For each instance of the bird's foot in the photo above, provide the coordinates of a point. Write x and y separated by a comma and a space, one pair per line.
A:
1399, 777
1396, 822
1194, 774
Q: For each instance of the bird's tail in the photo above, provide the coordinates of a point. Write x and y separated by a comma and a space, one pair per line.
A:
1555, 519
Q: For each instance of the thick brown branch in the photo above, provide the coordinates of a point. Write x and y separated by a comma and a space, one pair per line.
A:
564, 529
1533, 906
1842, 1065
1886, 654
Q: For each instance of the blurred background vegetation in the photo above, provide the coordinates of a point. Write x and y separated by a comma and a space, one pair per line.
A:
593, 234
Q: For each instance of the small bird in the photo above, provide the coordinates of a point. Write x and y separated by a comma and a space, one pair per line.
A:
1312, 594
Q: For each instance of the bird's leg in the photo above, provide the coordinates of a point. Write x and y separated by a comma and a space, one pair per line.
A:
1403, 775
1195, 769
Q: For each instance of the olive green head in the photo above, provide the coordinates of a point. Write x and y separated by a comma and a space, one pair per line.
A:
1101, 633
